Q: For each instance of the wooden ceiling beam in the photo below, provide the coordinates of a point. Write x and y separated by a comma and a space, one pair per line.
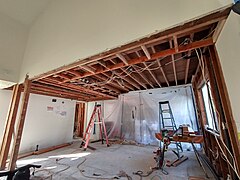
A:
151, 73
40, 87
173, 64
78, 88
125, 85
123, 59
175, 42
51, 83
143, 77
126, 79
102, 63
74, 72
161, 68
129, 81
146, 52
131, 76
134, 78
44, 93
64, 76
187, 67
107, 84
164, 53
122, 86
188, 61
87, 68
111, 85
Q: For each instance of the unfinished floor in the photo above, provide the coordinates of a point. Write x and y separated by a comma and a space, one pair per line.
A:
108, 162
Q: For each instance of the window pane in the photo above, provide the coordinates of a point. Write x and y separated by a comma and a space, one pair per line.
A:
209, 107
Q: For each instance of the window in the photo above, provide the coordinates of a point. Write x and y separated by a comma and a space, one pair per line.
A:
210, 109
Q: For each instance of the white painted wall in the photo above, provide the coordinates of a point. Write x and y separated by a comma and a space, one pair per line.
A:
69, 30
42, 127
5, 98
228, 46
13, 39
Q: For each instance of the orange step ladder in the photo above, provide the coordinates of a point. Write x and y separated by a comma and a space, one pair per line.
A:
97, 111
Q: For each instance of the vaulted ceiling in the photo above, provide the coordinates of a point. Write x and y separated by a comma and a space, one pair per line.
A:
23, 11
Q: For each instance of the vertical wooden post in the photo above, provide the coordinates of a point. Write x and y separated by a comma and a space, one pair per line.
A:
20, 125
230, 123
217, 103
9, 127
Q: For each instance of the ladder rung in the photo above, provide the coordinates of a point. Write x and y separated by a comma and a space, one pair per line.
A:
97, 122
167, 118
165, 110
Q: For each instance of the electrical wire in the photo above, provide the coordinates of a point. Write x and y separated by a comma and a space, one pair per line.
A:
202, 66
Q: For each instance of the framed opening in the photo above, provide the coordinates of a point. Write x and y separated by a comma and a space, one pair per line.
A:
211, 114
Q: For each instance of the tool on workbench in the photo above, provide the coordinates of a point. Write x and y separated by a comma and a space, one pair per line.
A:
97, 112
166, 121
183, 134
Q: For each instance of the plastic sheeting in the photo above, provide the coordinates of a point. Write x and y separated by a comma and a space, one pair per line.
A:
135, 115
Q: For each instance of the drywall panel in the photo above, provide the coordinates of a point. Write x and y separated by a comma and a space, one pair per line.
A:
24, 11
47, 123
69, 30
13, 39
228, 46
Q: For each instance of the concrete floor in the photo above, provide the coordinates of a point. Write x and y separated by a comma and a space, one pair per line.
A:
108, 162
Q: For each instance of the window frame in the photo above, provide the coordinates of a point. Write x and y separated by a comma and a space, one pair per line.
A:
212, 109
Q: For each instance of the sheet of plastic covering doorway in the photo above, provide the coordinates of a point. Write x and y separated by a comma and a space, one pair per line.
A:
135, 115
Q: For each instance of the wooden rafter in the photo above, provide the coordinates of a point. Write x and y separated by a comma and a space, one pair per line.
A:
120, 56
64, 76
173, 63
160, 66
175, 41
112, 83
188, 60
164, 53
108, 85
127, 84
131, 81
62, 92
129, 74
134, 78
78, 88
88, 68
151, 73
146, 52
120, 82
143, 77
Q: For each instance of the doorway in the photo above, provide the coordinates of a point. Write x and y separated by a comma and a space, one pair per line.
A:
79, 120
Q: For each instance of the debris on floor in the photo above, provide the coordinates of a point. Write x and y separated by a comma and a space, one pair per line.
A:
114, 162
